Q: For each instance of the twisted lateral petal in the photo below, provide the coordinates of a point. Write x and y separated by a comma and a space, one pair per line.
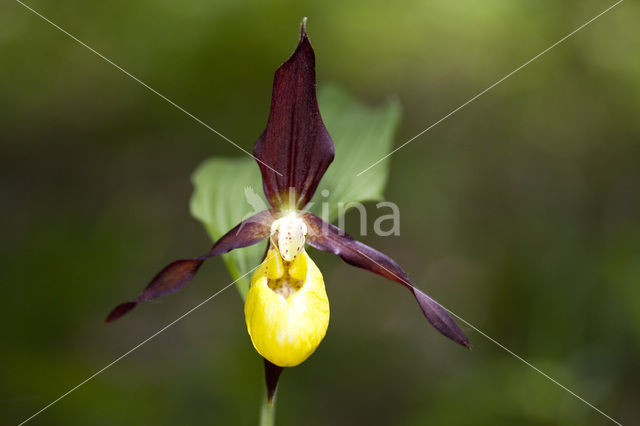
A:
287, 318
295, 143
178, 274
327, 237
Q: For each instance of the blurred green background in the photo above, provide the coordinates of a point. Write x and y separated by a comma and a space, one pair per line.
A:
521, 213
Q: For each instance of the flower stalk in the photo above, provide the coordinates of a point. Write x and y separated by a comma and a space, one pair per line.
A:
267, 411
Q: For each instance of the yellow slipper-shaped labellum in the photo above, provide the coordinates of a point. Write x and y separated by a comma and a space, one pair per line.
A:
287, 309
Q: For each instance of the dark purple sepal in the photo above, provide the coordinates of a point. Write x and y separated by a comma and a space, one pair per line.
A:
327, 237
271, 374
295, 149
178, 274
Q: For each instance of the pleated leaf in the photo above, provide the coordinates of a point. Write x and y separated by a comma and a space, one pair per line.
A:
361, 135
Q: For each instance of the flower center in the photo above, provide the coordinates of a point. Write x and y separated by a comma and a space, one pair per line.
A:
288, 234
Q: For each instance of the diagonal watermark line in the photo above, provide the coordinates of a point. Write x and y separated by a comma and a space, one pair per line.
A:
518, 357
163, 329
145, 85
492, 86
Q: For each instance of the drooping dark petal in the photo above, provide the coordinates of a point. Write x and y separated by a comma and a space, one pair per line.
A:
271, 375
327, 237
295, 149
440, 318
177, 274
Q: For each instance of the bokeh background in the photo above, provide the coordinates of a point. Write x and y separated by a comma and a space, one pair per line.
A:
521, 213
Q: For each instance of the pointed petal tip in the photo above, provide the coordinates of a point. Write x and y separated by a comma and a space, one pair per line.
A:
327, 237
464, 341
461, 340
119, 311
303, 27
177, 274
440, 319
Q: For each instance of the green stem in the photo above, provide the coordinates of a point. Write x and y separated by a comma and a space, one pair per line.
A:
268, 411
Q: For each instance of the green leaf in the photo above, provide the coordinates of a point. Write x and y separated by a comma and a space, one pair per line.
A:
362, 136
224, 188
229, 189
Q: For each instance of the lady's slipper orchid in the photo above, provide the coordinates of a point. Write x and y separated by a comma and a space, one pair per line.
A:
286, 308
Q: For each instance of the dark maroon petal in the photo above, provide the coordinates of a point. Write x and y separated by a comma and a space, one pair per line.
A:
178, 274
440, 318
120, 310
295, 146
271, 374
327, 237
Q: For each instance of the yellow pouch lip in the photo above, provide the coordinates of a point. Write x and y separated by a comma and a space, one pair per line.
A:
286, 331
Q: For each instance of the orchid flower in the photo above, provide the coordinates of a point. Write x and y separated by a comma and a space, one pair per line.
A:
286, 308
